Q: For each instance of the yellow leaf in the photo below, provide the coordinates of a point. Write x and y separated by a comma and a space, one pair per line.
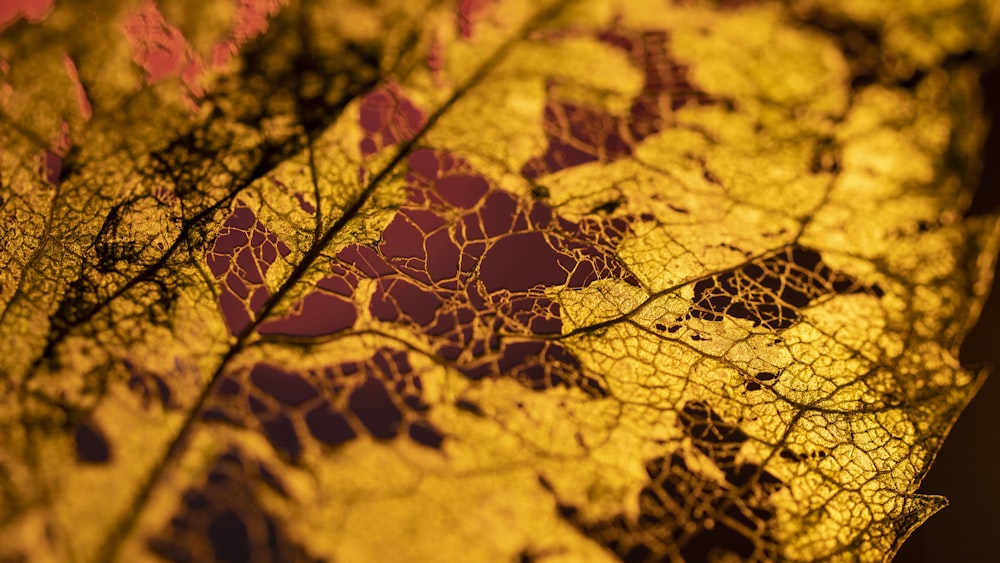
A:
484, 280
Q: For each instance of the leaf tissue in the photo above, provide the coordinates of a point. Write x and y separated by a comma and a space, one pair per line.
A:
484, 280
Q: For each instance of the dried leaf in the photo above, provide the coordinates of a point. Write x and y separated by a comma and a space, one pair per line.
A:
483, 280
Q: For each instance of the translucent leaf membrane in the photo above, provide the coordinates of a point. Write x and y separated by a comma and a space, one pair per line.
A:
483, 280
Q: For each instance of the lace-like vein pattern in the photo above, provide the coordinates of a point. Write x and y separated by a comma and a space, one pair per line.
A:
772, 291
469, 265
688, 514
381, 397
243, 252
579, 134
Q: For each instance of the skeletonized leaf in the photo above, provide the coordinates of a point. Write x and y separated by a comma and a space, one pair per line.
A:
483, 280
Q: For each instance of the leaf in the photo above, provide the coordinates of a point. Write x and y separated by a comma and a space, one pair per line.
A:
450, 281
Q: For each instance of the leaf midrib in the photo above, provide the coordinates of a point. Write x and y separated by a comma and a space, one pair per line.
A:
114, 539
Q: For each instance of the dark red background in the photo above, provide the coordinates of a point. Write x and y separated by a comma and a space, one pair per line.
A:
968, 466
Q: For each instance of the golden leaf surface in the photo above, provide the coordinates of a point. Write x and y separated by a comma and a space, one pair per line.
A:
352, 280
